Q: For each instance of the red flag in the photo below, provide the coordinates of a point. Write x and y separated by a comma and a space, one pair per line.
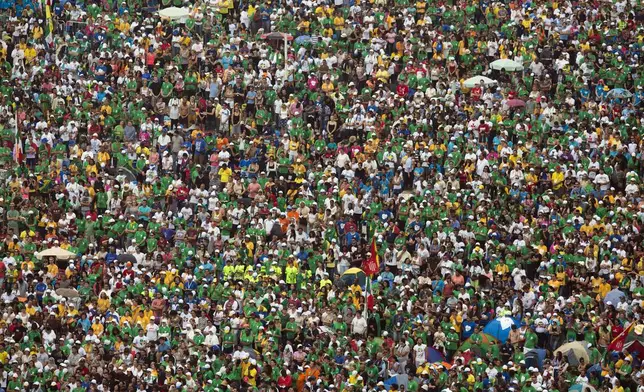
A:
617, 344
371, 265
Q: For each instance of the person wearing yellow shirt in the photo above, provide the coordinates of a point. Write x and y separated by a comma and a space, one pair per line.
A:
502, 269
97, 327
123, 26
596, 284
91, 167
604, 288
72, 311
338, 22
103, 303
526, 22
37, 32
30, 53
304, 26
327, 86
31, 309
168, 277
456, 319
382, 75
325, 281
558, 178
224, 174
52, 270
103, 157
106, 108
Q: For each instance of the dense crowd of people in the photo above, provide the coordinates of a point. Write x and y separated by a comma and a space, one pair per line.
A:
321, 196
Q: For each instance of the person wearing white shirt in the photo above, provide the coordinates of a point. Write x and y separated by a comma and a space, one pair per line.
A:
602, 180
152, 331
359, 324
419, 353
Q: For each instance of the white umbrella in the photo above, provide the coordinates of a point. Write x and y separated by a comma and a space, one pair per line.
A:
506, 65
174, 13
58, 253
481, 80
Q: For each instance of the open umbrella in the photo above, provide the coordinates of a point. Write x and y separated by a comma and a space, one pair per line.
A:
480, 80
500, 328
432, 355
617, 93
515, 103
125, 257
277, 36
583, 387
59, 253
574, 351
302, 39
506, 65
351, 276
614, 296
174, 13
67, 292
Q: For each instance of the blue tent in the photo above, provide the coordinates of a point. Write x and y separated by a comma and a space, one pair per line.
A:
500, 328
535, 357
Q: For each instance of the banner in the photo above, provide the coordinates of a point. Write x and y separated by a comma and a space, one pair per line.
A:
617, 344
371, 265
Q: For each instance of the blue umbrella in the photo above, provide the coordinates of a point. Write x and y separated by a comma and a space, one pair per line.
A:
614, 297
500, 328
302, 39
618, 93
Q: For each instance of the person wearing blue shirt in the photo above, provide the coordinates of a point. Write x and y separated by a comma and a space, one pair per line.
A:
601, 92
191, 284
110, 256
638, 97
41, 287
352, 237
200, 149
163, 345
584, 93
84, 323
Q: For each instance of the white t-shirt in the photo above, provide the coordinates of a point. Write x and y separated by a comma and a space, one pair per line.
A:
359, 325
419, 354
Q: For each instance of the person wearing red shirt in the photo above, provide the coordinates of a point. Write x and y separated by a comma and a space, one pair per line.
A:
484, 130
402, 90
475, 93
182, 193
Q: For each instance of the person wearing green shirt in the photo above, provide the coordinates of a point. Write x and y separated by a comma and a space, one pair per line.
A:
531, 339
291, 329
452, 342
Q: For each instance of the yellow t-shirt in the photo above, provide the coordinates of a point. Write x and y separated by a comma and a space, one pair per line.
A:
224, 174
